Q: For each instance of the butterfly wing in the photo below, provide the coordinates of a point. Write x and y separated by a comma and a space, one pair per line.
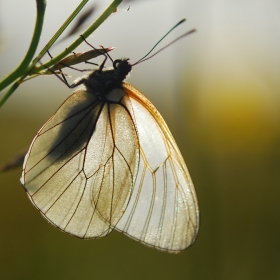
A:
163, 209
81, 165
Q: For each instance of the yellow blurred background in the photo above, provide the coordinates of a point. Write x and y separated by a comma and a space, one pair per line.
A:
218, 90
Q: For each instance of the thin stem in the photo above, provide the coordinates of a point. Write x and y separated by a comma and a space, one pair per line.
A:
26, 68
41, 8
59, 32
111, 8
9, 93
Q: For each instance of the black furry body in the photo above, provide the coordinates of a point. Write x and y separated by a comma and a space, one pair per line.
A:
101, 82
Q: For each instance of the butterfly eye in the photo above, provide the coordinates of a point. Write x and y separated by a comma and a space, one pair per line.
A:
116, 63
122, 64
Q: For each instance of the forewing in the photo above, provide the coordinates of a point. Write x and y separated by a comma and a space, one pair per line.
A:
78, 171
163, 209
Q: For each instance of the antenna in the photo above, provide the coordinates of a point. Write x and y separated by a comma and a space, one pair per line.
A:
176, 25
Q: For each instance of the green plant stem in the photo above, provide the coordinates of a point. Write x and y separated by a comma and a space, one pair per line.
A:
9, 93
22, 68
59, 32
41, 8
111, 8
26, 67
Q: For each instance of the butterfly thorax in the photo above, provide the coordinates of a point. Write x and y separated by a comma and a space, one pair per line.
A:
100, 82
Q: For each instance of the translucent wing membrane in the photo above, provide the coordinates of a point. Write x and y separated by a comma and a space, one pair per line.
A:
80, 168
98, 165
163, 210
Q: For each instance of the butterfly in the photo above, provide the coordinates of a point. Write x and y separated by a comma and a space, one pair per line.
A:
106, 160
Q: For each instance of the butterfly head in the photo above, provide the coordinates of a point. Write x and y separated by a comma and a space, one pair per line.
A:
122, 67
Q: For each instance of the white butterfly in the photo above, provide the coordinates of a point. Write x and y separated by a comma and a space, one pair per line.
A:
107, 160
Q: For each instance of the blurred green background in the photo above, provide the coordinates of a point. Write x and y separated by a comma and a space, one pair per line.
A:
217, 89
